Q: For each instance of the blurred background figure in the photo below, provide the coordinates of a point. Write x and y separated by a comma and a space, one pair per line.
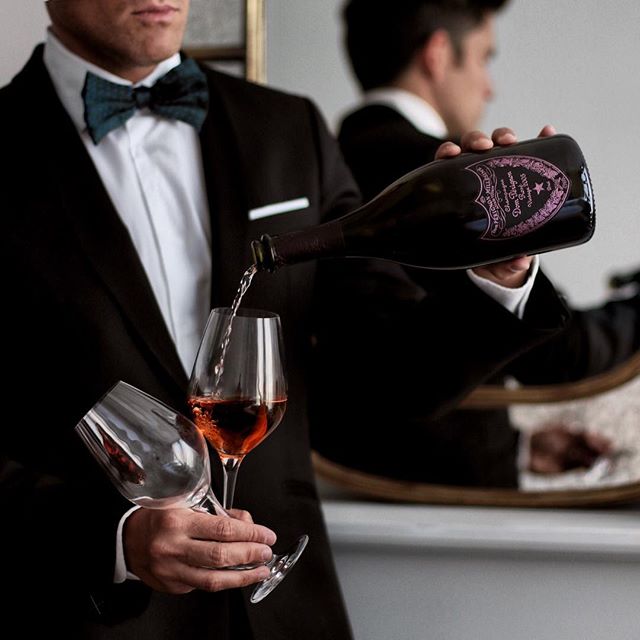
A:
402, 335
424, 70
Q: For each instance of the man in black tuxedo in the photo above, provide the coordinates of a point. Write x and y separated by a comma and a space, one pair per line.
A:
120, 233
423, 65
594, 340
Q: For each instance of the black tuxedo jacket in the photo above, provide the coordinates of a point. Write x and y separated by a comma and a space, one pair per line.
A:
380, 145
80, 315
413, 342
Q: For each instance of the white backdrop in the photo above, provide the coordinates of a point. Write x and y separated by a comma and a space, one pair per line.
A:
22, 24
571, 63
567, 62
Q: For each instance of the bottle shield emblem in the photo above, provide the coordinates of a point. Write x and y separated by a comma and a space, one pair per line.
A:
519, 194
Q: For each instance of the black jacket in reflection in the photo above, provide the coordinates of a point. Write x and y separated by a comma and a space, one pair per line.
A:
397, 347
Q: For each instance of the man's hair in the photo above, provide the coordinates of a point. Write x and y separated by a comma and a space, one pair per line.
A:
382, 36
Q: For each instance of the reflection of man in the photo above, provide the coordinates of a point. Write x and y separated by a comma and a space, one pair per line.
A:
424, 68
122, 228
594, 340
407, 333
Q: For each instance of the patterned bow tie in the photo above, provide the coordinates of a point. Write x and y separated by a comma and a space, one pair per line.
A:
181, 94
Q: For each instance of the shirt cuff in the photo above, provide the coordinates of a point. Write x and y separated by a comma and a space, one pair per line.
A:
524, 451
121, 573
514, 300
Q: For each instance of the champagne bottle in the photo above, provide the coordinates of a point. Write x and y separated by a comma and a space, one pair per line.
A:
477, 208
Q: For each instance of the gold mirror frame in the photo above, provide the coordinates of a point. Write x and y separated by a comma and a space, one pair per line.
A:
250, 53
491, 396
357, 484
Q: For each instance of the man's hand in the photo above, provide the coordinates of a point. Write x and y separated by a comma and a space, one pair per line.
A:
510, 273
179, 550
480, 141
556, 449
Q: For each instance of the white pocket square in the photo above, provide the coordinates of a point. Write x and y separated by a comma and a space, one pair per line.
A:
278, 207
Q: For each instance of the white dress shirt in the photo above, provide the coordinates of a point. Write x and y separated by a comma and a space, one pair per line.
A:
152, 170
427, 120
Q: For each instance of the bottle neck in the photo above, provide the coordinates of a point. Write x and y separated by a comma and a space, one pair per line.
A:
322, 241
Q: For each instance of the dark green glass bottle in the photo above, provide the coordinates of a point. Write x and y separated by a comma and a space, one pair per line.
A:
475, 209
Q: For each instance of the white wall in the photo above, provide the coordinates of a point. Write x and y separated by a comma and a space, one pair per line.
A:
568, 62
416, 572
571, 63
23, 24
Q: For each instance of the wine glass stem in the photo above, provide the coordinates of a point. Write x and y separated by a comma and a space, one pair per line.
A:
210, 504
230, 468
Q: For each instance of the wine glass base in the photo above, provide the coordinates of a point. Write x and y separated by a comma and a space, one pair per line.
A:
280, 567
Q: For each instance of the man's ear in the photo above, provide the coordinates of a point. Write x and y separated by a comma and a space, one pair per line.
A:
436, 55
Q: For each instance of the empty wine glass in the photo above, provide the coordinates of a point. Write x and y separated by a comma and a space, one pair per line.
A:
158, 459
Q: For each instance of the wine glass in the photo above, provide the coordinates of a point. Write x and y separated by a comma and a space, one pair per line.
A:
158, 459
238, 389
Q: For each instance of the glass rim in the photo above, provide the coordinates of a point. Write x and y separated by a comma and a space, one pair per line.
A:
115, 385
245, 312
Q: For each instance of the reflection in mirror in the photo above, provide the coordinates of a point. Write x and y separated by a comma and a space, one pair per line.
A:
614, 415
524, 100
608, 405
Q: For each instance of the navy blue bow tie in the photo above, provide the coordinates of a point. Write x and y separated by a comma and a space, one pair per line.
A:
181, 94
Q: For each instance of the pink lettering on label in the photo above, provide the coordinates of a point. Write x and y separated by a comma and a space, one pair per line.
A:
519, 194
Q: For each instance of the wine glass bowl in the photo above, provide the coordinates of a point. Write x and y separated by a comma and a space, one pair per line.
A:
154, 455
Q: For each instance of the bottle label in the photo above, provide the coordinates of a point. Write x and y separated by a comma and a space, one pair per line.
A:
519, 194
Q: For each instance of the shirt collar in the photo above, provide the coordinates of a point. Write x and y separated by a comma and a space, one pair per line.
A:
416, 110
68, 72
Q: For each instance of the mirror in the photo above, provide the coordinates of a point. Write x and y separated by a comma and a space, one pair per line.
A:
228, 34
562, 67
533, 86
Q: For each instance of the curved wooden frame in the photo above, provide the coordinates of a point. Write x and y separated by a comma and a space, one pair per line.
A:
491, 396
366, 485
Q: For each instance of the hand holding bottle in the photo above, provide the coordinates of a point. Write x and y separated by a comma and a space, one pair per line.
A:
500, 201
509, 273
480, 141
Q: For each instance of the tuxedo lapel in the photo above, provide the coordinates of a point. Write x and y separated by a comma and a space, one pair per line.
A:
108, 246
227, 191
101, 234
